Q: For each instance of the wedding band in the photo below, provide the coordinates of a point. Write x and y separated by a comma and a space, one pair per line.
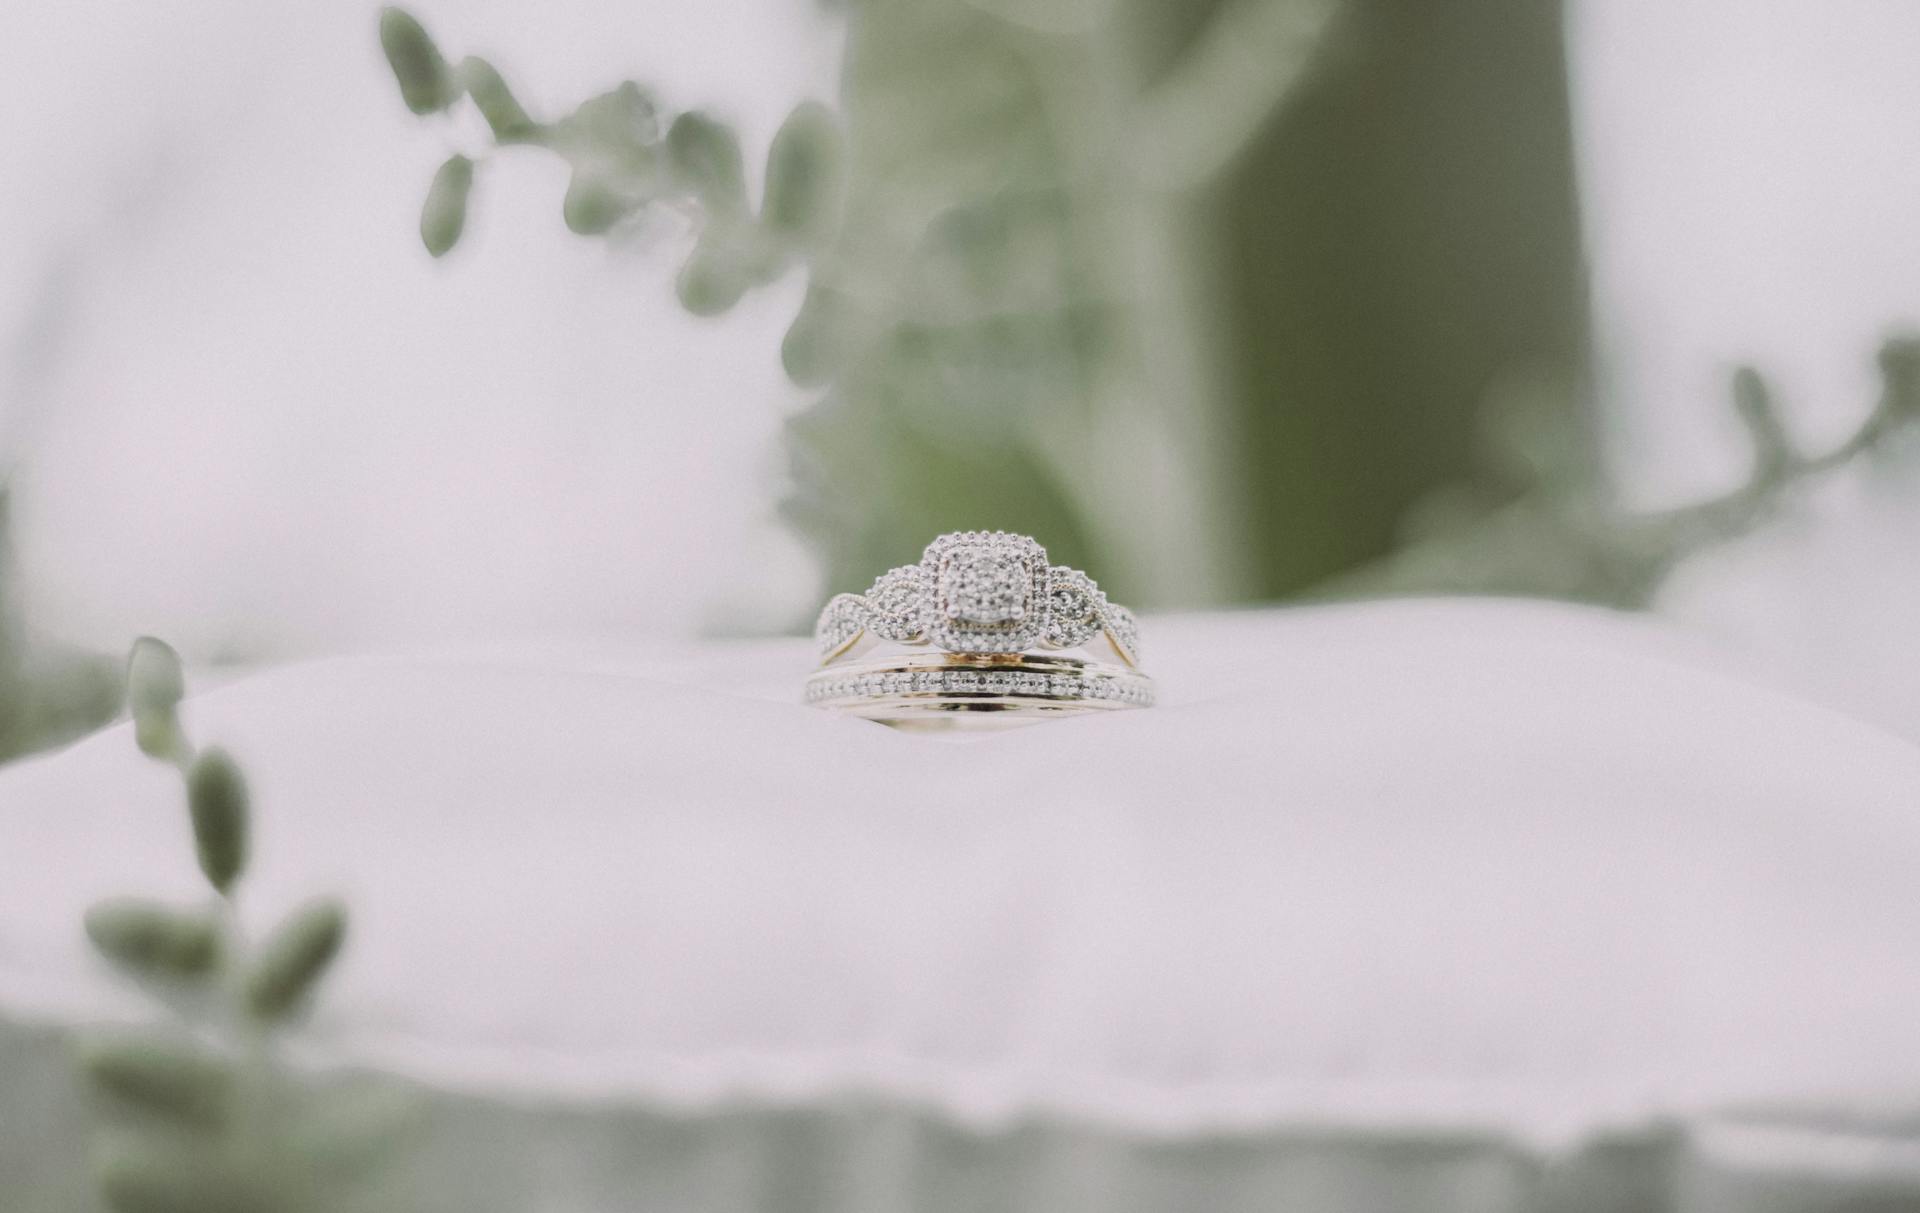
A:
927, 686
1001, 614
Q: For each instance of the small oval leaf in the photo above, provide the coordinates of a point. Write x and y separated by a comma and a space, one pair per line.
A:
217, 800
170, 1078
155, 680
505, 116
158, 735
591, 206
706, 155
153, 940
294, 958
155, 687
1900, 373
618, 122
711, 281
803, 176
444, 215
425, 84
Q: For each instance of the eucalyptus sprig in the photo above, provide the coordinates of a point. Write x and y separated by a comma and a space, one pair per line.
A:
1565, 537
205, 1115
985, 238
629, 161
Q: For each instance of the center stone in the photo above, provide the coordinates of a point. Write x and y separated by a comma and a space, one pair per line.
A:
984, 587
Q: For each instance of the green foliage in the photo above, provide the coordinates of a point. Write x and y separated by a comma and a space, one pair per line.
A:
149, 939
155, 682
147, 1175
991, 322
625, 165
620, 127
168, 1077
294, 958
712, 280
805, 165
591, 205
815, 344
49, 692
211, 1121
918, 337
506, 118
425, 83
155, 686
217, 800
1753, 402
444, 214
1899, 403
705, 155
1562, 537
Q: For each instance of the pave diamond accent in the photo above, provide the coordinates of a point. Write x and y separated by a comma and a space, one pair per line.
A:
984, 591
987, 586
840, 624
988, 685
1124, 630
1073, 608
896, 602
979, 592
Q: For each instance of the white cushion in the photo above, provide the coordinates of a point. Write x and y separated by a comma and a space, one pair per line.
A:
1520, 872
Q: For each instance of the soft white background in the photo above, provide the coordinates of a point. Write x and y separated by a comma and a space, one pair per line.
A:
1752, 182
253, 416
252, 410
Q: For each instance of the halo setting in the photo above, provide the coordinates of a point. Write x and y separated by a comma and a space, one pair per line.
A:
980, 592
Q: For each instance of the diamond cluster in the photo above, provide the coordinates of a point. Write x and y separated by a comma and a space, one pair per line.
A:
986, 587
985, 592
1125, 690
1074, 605
980, 592
896, 601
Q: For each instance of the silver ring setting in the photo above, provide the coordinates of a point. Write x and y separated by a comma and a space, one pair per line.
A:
1000, 615
980, 592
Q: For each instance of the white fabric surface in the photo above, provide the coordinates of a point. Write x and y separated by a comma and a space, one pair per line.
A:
1521, 868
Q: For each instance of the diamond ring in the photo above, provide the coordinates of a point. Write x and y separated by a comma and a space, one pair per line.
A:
1001, 613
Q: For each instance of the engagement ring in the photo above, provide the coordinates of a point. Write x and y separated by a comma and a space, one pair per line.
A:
1004, 620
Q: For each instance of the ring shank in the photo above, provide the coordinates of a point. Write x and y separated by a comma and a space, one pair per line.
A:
925, 688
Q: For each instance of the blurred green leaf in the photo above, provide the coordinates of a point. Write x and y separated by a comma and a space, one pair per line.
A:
444, 215
295, 956
706, 155
155, 682
159, 736
217, 800
425, 83
155, 687
591, 205
1900, 371
140, 1176
814, 346
623, 120
1753, 401
166, 1077
804, 170
505, 116
151, 939
713, 278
